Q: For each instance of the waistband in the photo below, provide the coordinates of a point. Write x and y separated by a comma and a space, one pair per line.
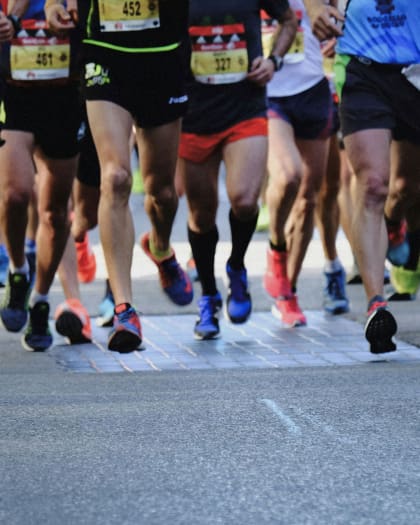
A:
378, 65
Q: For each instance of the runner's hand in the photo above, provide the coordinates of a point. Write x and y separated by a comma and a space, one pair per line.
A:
58, 18
7, 30
262, 71
326, 21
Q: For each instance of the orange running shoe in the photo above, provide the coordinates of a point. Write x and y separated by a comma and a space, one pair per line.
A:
289, 312
86, 261
72, 321
276, 282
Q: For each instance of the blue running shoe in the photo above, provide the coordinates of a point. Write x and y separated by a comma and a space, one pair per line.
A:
14, 310
238, 304
335, 300
106, 308
207, 325
37, 336
4, 265
174, 281
30, 252
126, 335
398, 251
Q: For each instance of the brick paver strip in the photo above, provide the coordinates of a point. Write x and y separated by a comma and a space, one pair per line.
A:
261, 343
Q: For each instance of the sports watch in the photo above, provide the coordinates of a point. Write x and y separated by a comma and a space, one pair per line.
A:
277, 61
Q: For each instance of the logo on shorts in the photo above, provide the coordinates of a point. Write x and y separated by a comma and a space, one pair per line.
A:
96, 75
178, 100
385, 7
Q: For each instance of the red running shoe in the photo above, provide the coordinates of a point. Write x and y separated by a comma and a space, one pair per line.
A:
289, 312
72, 321
276, 282
86, 261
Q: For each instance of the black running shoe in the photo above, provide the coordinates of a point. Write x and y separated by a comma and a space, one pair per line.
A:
380, 327
37, 336
14, 310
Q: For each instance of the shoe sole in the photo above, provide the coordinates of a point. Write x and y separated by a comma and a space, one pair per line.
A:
380, 327
16, 328
206, 337
337, 311
124, 342
236, 320
36, 347
69, 325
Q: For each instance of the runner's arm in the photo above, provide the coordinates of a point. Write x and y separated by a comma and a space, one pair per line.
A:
263, 69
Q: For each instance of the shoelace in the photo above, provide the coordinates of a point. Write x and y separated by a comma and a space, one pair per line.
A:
18, 293
334, 286
125, 316
39, 318
238, 284
170, 272
207, 309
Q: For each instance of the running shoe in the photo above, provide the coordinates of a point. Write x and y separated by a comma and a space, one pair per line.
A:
174, 281
398, 248
31, 256
276, 282
72, 321
30, 252
238, 302
207, 324
380, 327
86, 261
335, 300
355, 277
263, 221
14, 310
192, 270
405, 282
4, 265
288, 311
106, 308
126, 335
37, 336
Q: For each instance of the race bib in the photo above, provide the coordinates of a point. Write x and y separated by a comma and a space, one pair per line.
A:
219, 54
296, 52
36, 55
269, 26
118, 15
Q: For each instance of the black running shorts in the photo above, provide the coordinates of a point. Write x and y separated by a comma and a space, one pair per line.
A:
150, 86
378, 96
52, 114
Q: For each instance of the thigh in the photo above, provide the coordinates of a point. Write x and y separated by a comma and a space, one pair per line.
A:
246, 162
111, 127
369, 154
158, 152
314, 154
16, 162
284, 161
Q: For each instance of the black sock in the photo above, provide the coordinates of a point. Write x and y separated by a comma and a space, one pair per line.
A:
241, 232
413, 239
203, 247
280, 248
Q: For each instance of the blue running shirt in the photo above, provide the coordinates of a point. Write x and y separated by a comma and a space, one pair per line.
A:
386, 31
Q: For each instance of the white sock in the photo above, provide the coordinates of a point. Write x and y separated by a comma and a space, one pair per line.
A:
24, 270
332, 266
37, 298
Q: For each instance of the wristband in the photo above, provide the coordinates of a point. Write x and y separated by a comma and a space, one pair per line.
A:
15, 20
